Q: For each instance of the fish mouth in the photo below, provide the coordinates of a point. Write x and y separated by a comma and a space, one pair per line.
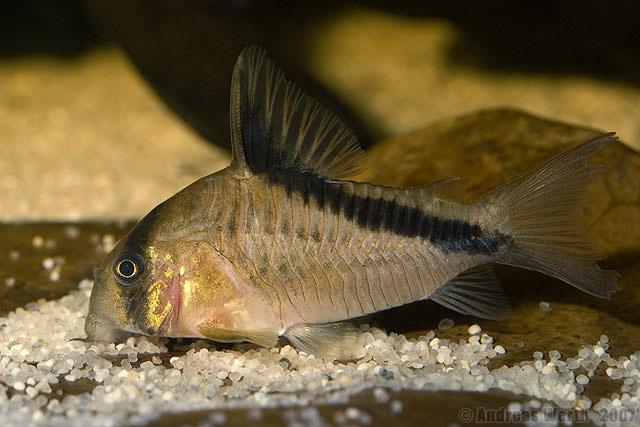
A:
99, 329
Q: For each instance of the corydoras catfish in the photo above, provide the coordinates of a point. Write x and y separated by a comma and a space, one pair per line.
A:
280, 244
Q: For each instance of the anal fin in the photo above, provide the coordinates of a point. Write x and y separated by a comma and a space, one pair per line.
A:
262, 337
476, 292
334, 340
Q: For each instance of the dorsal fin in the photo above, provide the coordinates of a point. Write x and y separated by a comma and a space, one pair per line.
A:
452, 189
276, 126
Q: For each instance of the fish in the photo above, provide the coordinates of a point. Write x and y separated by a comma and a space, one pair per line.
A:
281, 244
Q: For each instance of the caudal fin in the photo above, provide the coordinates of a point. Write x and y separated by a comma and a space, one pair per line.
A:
543, 214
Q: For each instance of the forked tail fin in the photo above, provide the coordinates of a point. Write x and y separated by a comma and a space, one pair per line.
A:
543, 215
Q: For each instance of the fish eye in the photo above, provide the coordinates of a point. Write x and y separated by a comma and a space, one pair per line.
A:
127, 268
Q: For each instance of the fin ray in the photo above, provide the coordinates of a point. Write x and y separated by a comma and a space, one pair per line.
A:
263, 337
276, 126
543, 214
476, 292
452, 189
337, 340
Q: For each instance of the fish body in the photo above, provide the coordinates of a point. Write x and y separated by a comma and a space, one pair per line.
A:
280, 244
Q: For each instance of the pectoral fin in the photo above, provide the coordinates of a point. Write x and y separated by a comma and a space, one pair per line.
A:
334, 340
262, 337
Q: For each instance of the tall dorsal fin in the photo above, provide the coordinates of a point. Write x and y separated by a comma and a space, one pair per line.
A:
276, 126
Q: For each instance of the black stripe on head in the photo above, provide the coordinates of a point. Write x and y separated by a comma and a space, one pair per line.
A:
374, 214
140, 234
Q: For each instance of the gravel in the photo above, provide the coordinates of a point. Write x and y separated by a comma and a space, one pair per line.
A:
131, 383
445, 324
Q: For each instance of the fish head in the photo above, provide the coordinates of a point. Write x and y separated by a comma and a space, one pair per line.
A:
171, 275
134, 290
126, 297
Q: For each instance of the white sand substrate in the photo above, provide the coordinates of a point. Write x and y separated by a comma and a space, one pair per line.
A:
36, 354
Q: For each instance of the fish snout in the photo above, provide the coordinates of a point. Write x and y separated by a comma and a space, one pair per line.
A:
100, 330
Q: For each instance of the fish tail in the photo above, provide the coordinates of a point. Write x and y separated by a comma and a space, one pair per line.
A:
542, 212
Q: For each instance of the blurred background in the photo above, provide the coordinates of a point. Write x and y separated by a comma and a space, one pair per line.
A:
107, 108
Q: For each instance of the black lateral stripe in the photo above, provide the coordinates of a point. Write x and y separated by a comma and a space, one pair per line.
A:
333, 196
413, 219
374, 220
388, 207
456, 230
448, 234
362, 211
399, 213
347, 205
442, 229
